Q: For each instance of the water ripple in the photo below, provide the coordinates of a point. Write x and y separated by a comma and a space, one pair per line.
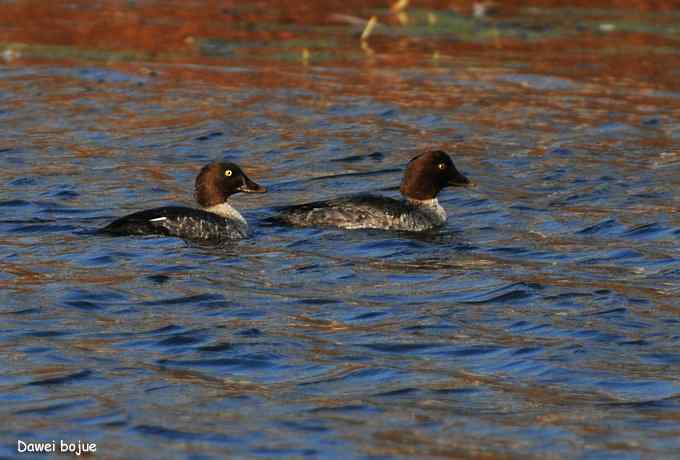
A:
540, 319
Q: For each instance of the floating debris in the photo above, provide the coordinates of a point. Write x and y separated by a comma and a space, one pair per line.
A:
483, 9
366, 48
400, 6
370, 25
11, 54
348, 19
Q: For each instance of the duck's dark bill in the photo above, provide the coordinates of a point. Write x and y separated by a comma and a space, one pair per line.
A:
458, 180
251, 187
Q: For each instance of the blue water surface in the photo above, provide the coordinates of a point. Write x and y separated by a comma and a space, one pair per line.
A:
540, 322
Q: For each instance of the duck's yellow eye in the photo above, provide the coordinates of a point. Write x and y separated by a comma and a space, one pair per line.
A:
228, 173
441, 166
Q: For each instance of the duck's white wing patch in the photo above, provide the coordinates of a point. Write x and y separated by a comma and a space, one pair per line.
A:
158, 219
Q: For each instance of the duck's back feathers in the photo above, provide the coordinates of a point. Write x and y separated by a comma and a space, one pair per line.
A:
179, 221
361, 211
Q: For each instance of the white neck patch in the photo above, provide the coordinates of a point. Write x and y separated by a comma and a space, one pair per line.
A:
225, 210
430, 206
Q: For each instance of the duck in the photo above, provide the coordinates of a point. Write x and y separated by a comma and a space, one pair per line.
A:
418, 210
215, 221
